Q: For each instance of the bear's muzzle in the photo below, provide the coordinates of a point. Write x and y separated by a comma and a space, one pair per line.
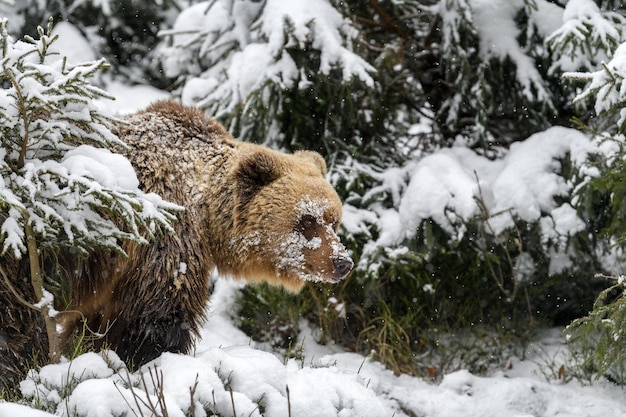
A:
343, 265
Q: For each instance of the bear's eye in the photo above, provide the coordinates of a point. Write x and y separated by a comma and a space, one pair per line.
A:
307, 226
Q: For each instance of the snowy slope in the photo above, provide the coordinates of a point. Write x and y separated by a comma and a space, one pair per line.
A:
228, 375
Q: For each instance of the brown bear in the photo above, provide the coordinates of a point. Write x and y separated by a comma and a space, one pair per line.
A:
250, 212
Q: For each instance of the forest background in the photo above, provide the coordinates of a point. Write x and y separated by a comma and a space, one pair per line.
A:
466, 209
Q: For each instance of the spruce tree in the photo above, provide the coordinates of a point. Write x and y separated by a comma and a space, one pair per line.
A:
59, 192
384, 85
593, 38
122, 31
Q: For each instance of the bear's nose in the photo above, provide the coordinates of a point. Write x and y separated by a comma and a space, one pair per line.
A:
343, 266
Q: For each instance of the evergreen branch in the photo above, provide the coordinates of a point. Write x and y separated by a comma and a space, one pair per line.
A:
608, 71
390, 21
578, 76
23, 110
4, 36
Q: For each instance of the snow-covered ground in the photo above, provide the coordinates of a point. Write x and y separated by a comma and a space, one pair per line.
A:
228, 374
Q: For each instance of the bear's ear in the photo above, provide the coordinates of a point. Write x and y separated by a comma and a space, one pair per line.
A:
315, 158
254, 172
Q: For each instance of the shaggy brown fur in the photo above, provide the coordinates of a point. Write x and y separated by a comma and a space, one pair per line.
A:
251, 212
18, 325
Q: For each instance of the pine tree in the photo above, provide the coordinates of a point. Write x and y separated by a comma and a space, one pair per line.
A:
274, 74
602, 332
597, 39
58, 188
122, 31
384, 85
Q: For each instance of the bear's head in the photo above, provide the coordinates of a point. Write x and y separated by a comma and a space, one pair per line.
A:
286, 220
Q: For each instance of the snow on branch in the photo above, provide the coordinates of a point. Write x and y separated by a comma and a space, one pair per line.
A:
57, 176
225, 50
586, 36
606, 85
453, 187
498, 34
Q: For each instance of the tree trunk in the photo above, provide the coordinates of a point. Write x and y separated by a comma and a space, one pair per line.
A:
36, 279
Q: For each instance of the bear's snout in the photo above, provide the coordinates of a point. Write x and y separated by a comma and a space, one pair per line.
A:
343, 266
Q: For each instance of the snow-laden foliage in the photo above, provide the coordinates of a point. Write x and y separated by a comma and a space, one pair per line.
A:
489, 53
493, 23
607, 86
456, 186
604, 330
602, 34
122, 31
225, 50
56, 175
287, 74
587, 36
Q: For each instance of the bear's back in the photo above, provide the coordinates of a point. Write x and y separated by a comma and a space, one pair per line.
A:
184, 122
169, 143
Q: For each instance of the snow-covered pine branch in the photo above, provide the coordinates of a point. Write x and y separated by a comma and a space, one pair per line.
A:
56, 174
222, 58
587, 36
606, 85
489, 52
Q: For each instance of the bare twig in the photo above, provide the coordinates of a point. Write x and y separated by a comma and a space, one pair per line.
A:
158, 408
232, 401
132, 391
192, 393
156, 378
